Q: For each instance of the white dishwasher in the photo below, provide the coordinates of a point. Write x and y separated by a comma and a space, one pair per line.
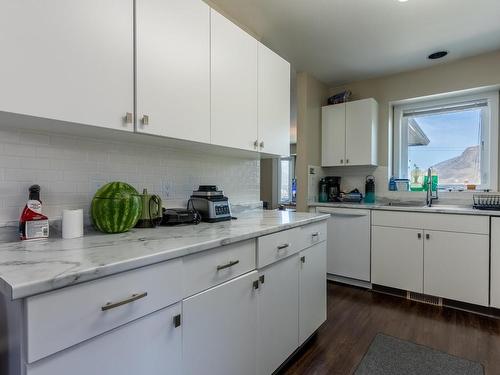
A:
348, 242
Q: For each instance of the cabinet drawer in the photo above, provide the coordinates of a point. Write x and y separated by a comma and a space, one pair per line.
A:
205, 270
311, 234
432, 221
60, 319
277, 246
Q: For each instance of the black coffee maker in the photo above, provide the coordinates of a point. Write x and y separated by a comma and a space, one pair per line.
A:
332, 188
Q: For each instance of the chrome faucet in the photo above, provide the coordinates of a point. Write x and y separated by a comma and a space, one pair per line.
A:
430, 198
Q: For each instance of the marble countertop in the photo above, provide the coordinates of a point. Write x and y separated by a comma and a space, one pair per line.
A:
419, 207
34, 267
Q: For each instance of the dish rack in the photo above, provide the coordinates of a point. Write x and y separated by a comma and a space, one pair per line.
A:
486, 201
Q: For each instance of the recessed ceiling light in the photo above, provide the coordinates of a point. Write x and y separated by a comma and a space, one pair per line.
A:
402, 1
437, 55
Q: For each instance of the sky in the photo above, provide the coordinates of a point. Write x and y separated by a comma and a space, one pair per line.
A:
449, 134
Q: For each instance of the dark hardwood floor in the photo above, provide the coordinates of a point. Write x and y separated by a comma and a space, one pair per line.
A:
355, 316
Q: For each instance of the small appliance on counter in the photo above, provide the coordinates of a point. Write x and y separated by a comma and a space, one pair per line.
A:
354, 196
330, 186
151, 214
177, 216
211, 204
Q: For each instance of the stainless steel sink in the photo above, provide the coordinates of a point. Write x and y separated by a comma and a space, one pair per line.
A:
450, 207
405, 204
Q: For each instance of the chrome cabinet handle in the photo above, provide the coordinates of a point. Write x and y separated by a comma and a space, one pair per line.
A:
315, 234
303, 259
256, 144
255, 284
419, 235
284, 246
129, 118
145, 120
227, 265
262, 278
262, 144
427, 236
132, 298
341, 161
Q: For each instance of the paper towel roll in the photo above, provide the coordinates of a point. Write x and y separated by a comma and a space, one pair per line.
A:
72, 223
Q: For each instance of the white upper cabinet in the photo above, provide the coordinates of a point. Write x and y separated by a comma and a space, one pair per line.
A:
349, 133
234, 60
333, 135
68, 60
173, 68
274, 103
361, 132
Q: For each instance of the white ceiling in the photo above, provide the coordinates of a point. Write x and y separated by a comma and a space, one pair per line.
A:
340, 41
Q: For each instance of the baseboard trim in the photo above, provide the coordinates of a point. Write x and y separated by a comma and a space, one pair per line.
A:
349, 281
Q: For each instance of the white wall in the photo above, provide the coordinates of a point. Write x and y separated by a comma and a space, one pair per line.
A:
70, 170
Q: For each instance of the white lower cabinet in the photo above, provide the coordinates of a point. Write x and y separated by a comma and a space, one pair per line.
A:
150, 345
446, 256
397, 258
312, 290
456, 266
220, 329
495, 263
278, 313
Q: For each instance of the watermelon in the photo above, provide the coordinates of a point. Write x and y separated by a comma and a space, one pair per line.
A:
116, 207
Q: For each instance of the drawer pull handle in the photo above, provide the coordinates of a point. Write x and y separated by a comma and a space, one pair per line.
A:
284, 246
316, 234
132, 298
255, 284
262, 279
303, 259
230, 264
177, 321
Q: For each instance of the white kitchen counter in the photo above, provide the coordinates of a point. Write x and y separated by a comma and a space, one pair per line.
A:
437, 208
29, 268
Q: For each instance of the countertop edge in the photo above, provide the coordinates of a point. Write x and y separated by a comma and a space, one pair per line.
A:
49, 285
431, 210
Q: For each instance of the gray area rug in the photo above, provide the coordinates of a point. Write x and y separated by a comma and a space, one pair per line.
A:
391, 356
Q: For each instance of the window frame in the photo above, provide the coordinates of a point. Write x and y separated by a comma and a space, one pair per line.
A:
291, 171
489, 132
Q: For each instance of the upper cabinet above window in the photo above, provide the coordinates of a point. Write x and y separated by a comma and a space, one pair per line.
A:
349, 134
274, 103
68, 60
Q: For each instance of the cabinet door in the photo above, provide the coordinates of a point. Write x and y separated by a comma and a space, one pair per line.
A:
397, 258
361, 132
220, 329
349, 243
173, 68
234, 85
151, 345
68, 60
274, 103
333, 135
278, 313
312, 290
495, 262
456, 266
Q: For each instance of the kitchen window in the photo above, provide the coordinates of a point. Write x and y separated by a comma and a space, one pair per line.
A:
286, 175
456, 137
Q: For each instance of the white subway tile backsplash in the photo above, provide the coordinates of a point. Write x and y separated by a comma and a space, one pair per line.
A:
71, 169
